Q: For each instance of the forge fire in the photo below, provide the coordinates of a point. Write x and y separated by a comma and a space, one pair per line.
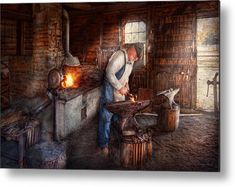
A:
72, 77
86, 86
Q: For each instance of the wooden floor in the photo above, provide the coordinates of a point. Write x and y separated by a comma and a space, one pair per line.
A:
194, 146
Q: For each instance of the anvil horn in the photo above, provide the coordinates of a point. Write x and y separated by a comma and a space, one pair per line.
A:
170, 94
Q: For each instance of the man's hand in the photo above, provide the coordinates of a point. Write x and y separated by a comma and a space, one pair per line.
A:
127, 86
123, 90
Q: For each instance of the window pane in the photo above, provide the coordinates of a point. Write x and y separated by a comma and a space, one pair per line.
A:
135, 38
135, 32
142, 26
128, 38
135, 27
128, 28
142, 37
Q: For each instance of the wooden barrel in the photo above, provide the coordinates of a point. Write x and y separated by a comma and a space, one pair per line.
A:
135, 152
169, 118
131, 148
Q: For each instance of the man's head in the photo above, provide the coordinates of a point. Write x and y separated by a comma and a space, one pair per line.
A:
134, 52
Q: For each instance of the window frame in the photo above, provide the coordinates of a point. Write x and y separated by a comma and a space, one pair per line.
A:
135, 32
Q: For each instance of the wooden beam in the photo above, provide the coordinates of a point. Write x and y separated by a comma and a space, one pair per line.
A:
15, 15
111, 8
78, 6
18, 38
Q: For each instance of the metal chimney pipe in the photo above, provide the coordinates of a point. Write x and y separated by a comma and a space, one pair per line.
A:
69, 59
66, 15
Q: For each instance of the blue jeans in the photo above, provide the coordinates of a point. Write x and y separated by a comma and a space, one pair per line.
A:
105, 117
105, 120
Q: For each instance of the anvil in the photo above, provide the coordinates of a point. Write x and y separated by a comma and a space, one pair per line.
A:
126, 110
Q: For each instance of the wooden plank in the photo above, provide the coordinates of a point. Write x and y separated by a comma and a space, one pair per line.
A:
15, 15
12, 118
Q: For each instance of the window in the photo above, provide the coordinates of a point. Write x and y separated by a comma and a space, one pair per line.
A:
135, 32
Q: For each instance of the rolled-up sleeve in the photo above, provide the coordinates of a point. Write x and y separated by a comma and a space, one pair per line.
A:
115, 64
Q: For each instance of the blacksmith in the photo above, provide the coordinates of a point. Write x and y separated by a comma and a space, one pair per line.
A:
115, 88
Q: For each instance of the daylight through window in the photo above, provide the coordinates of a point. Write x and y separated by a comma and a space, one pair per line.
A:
135, 32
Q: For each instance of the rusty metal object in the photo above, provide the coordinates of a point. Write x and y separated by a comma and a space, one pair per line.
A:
169, 111
54, 78
170, 94
45, 103
126, 110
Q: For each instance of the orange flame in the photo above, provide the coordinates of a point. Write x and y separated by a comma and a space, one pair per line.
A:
133, 98
72, 77
68, 81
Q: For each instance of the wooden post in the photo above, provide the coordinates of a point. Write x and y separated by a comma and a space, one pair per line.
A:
21, 149
169, 119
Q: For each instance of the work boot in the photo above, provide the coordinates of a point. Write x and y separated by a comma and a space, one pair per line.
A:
105, 151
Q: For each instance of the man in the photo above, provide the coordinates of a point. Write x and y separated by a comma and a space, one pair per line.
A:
115, 88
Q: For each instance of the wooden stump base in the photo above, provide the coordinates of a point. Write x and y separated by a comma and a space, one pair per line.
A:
169, 119
130, 152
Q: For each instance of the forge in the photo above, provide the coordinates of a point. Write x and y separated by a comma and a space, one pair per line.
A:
75, 100
74, 108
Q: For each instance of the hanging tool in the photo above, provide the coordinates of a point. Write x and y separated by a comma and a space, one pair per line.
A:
214, 82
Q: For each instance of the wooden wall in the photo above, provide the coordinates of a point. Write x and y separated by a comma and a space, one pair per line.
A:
96, 36
16, 30
171, 42
84, 37
174, 58
16, 50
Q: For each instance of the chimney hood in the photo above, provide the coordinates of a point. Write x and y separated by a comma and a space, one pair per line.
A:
69, 59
